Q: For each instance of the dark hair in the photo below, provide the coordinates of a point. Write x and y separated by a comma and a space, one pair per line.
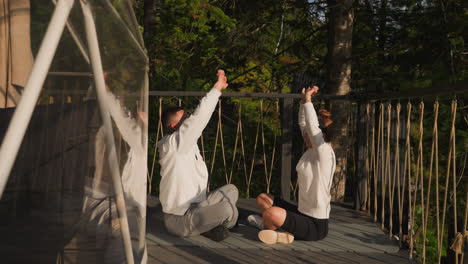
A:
327, 133
166, 117
326, 125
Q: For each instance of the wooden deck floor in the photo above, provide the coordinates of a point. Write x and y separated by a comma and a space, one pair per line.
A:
352, 239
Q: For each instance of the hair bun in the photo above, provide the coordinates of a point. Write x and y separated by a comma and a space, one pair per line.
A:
325, 115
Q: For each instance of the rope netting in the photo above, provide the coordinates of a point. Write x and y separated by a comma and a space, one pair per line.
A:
401, 180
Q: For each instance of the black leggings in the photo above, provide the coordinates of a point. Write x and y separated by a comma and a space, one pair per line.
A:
302, 226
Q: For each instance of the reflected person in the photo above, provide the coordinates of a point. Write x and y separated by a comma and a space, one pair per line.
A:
99, 204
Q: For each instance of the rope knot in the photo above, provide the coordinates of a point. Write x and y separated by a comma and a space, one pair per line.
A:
459, 241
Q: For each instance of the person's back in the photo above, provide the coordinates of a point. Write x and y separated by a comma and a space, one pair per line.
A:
184, 175
315, 175
188, 210
316, 167
309, 219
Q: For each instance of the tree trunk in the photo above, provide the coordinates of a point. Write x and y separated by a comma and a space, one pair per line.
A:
340, 35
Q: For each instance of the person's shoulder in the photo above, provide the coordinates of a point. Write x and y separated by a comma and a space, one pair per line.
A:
165, 141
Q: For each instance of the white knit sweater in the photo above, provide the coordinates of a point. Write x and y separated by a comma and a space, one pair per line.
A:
184, 175
315, 168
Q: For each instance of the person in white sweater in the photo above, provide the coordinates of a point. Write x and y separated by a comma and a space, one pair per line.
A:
99, 203
309, 219
188, 209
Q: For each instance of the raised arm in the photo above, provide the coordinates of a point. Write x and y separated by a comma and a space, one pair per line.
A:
311, 120
301, 119
127, 126
312, 125
191, 129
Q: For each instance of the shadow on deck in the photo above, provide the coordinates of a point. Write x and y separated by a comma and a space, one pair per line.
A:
352, 239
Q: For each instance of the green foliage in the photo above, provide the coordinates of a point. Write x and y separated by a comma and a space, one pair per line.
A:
408, 44
431, 239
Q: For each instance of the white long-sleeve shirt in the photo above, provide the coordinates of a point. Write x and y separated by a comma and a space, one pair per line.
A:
184, 175
316, 167
134, 174
134, 177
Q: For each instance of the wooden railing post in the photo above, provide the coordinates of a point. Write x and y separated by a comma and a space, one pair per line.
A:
360, 173
286, 146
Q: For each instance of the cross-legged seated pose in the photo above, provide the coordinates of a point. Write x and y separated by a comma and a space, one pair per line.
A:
308, 220
188, 209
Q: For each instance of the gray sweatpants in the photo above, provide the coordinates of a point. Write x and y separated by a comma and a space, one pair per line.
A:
219, 208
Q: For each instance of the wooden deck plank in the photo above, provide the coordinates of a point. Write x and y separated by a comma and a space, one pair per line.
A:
167, 240
214, 255
237, 255
343, 257
370, 238
387, 258
256, 255
232, 242
317, 246
205, 242
345, 244
167, 255
321, 257
307, 246
240, 242
254, 242
190, 253
296, 247
284, 256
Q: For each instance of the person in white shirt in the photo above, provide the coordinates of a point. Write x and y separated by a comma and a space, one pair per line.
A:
98, 202
309, 219
188, 209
